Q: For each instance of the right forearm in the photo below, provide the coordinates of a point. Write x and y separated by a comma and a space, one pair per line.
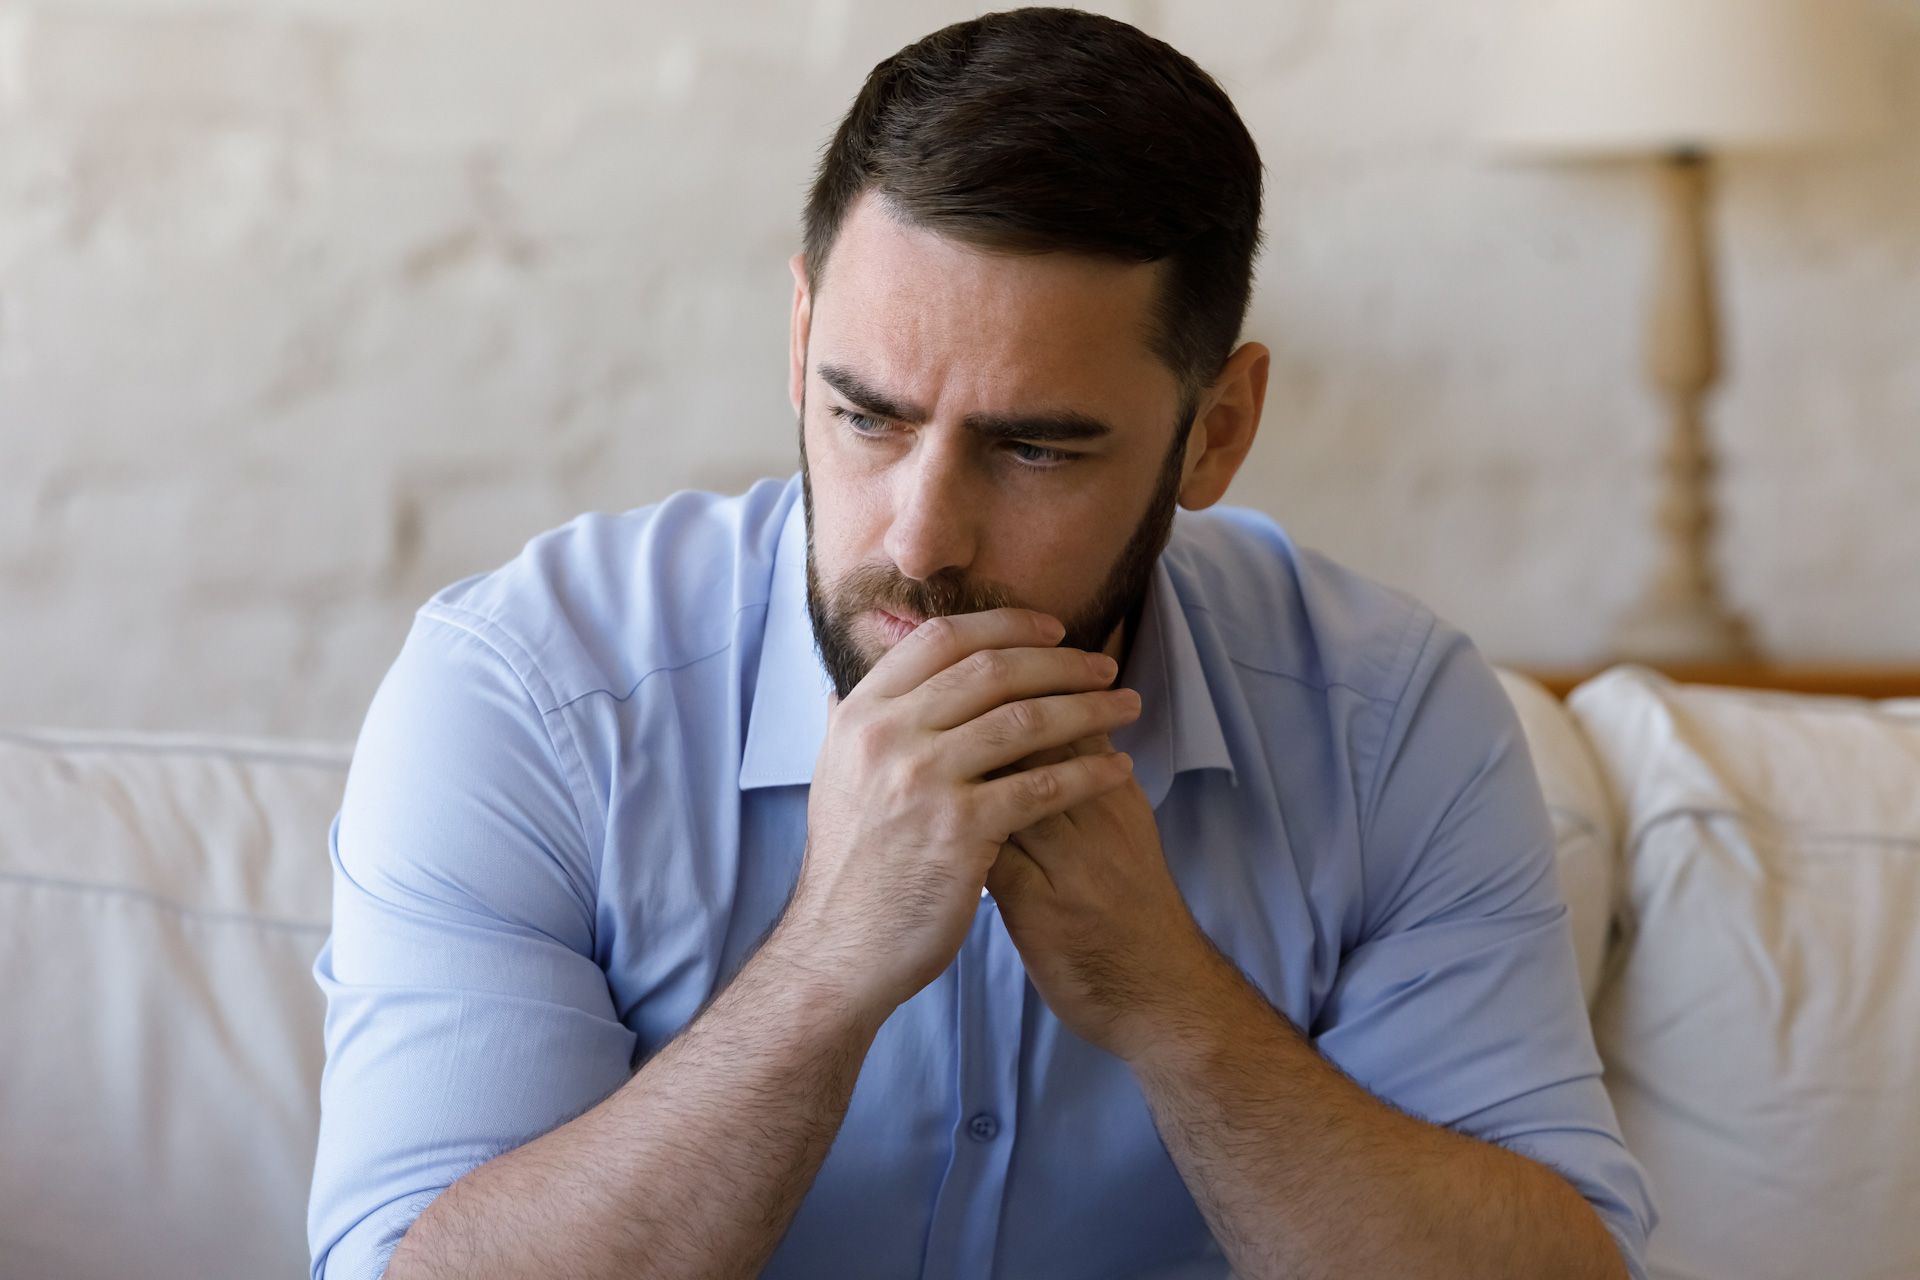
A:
692, 1168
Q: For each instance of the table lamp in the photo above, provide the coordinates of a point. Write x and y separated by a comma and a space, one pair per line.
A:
1677, 82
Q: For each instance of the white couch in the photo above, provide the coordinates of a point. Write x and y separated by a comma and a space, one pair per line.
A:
1743, 871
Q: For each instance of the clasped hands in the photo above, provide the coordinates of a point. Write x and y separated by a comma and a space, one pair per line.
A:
976, 753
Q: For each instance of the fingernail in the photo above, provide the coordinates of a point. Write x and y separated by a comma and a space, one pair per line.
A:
1125, 760
1105, 665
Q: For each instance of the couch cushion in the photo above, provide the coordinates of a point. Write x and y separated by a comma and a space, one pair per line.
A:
1586, 842
161, 901
1761, 1030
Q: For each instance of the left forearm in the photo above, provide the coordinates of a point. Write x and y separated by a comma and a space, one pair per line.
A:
1301, 1172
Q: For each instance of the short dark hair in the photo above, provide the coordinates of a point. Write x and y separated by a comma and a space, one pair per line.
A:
1044, 130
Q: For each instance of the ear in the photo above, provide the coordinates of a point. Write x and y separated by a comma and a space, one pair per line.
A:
801, 322
1224, 429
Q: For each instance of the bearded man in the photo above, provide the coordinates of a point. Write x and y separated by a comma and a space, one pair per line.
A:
981, 854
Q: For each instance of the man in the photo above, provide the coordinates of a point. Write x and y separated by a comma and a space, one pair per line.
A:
949, 863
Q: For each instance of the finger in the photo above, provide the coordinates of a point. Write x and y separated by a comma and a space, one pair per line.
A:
938, 643
1051, 755
1014, 874
1094, 744
1021, 799
987, 678
1015, 730
1050, 828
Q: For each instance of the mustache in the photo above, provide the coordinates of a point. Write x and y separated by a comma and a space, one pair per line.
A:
877, 586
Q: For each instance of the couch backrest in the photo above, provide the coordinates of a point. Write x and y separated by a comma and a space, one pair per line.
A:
1760, 1017
162, 898
161, 901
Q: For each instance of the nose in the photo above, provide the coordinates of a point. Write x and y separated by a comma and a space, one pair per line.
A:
934, 514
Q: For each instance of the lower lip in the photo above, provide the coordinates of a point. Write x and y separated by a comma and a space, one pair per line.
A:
895, 629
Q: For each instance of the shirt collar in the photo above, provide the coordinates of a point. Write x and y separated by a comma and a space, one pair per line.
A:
788, 719
1178, 729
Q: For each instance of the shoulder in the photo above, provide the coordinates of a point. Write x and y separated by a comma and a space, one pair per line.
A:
600, 602
1445, 806
1293, 612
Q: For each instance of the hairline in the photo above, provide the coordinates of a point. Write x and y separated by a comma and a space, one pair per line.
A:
1159, 304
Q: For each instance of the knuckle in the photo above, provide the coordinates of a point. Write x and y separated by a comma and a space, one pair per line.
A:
989, 665
937, 631
997, 730
870, 738
1039, 787
1023, 718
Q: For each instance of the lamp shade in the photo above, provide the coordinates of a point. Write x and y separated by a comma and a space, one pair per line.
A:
1578, 78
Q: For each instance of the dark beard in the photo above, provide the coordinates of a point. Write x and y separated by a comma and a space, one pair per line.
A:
879, 586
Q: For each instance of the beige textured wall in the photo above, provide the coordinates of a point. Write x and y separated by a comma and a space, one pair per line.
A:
308, 307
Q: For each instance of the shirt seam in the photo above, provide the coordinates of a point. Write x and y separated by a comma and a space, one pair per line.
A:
1201, 606
527, 671
1309, 684
1394, 720
665, 668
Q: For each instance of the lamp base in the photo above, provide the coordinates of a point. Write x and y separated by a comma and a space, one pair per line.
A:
1680, 616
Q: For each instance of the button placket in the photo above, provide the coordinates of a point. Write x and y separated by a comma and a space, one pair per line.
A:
990, 987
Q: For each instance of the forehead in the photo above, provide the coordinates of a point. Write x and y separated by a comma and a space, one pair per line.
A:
961, 327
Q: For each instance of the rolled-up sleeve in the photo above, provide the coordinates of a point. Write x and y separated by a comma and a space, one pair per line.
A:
466, 1014
1459, 1001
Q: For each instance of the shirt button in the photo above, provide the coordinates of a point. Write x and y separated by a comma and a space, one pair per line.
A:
983, 1127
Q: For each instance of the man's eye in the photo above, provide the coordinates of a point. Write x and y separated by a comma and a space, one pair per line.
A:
1035, 456
860, 422
1039, 455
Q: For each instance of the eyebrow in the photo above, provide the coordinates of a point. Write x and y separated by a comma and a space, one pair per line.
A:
1049, 425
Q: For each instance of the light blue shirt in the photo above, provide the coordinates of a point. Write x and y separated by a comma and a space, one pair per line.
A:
579, 799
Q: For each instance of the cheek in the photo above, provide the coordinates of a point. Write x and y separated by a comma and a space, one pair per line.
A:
849, 519
1046, 561
853, 499
1066, 547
